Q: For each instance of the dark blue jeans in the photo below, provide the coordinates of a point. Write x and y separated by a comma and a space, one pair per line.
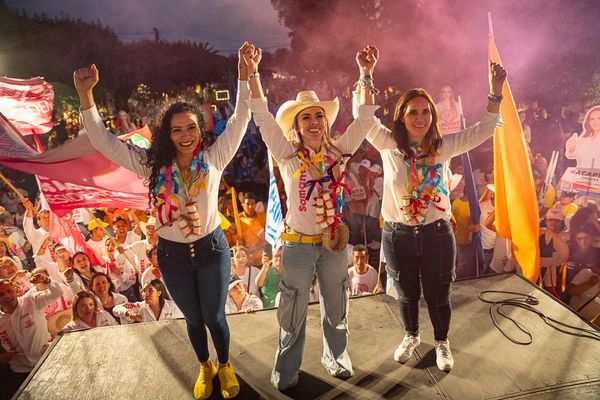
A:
421, 255
197, 276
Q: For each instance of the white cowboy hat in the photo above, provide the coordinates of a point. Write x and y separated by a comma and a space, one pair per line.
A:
58, 321
306, 98
143, 225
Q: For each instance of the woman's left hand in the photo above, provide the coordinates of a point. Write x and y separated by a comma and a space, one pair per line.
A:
497, 76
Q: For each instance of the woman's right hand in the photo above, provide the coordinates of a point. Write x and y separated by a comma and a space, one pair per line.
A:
85, 79
252, 55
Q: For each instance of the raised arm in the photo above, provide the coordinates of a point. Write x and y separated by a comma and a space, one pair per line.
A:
127, 156
473, 136
48, 296
223, 150
271, 133
364, 117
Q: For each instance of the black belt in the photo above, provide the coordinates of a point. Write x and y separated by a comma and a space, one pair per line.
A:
399, 226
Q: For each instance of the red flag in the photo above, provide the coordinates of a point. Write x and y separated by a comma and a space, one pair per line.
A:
27, 103
75, 174
66, 232
11, 141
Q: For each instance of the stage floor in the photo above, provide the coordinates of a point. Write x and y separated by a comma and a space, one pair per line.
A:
155, 360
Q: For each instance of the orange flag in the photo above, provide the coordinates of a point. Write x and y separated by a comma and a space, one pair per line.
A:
517, 216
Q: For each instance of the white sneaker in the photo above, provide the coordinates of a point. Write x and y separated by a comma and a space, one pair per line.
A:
443, 355
406, 348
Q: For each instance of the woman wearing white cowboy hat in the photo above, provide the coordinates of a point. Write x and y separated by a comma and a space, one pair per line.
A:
311, 165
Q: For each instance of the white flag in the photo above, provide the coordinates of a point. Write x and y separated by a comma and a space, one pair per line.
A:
274, 215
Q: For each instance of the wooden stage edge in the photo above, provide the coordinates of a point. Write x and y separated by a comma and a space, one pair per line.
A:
155, 360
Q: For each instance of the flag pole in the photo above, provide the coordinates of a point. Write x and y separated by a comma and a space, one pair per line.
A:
236, 215
10, 185
38, 143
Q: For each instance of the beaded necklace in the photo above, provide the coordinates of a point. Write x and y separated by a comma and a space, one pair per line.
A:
170, 183
423, 184
328, 180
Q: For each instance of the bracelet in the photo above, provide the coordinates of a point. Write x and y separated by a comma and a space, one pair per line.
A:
366, 82
253, 75
495, 99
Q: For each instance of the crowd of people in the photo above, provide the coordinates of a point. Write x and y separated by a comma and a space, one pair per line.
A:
44, 289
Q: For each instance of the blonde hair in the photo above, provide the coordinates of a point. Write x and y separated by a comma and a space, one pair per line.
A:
293, 136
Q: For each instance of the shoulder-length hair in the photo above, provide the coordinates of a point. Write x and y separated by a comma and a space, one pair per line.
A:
78, 298
111, 285
587, 127
433, 137
162, 150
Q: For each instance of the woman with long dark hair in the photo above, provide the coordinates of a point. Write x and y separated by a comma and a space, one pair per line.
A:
183, 174
156, 306
312, 166
417, 239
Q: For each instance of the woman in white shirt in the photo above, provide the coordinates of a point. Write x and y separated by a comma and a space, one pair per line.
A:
312, 167
183, 175
585, 148
246, 273
104, 289
417, 239
87, 314
157, 305
239, 300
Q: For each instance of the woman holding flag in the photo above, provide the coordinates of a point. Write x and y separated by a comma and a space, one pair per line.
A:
417, 238
183, 175
312, 165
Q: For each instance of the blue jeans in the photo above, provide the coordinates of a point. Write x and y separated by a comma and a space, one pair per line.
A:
421, 255
197, 277
299, 261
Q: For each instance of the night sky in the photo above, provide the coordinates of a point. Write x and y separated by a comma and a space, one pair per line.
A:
225, 24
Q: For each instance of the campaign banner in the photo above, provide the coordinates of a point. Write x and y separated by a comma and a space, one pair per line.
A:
62, 197
449, 111
274, 224
583, 181
27, 103
74, 174
11, 142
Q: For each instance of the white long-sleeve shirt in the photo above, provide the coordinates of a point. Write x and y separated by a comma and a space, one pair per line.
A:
103, 318
169, 311
25, 331
36, 237
216, 156
395, 173
301, 215
137, 251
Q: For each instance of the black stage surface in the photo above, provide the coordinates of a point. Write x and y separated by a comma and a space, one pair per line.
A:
155, 360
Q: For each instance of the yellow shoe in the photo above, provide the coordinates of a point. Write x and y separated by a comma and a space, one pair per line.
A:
204, 387
229, 383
